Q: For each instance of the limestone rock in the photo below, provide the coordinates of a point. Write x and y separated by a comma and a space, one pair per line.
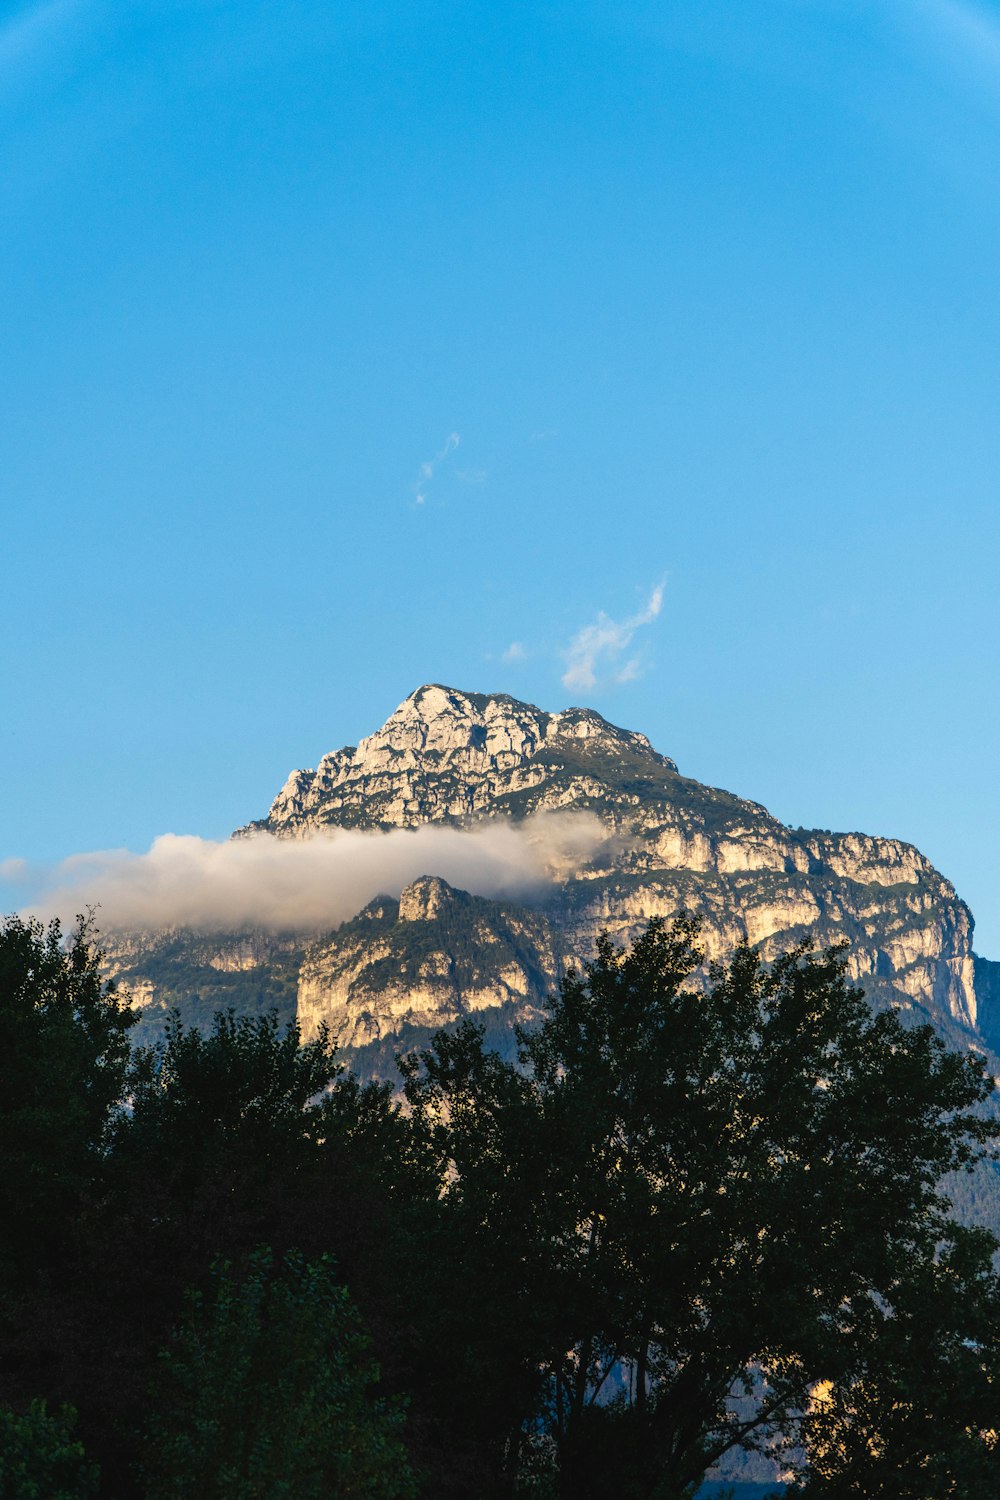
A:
449, 756
458, 758
432, 957
200, 973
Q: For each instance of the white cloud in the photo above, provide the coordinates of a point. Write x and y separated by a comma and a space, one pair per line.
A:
515, 652
428, 467
595, 653
310, 884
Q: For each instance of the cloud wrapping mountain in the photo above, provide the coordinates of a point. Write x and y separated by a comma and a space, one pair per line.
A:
308, 884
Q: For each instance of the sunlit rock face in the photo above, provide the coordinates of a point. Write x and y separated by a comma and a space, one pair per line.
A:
199, 974
433, 956
448, 756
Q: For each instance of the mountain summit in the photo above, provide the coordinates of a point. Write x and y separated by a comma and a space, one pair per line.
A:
446, 755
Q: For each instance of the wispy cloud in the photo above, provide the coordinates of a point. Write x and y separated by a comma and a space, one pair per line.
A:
595, 654
515, 652
430, 466
310, 884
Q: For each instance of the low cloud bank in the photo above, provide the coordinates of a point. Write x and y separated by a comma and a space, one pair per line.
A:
303, 884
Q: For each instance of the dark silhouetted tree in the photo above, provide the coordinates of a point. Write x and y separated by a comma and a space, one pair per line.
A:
40, 1459
268, 1391
64, 1051
693, 1193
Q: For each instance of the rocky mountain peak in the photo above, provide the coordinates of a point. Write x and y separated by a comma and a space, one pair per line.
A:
672, 844
484, 730
449, 755
425, 900
435, 955
472, 727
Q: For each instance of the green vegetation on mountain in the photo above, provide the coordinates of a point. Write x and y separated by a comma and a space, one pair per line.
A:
988, 990
434, 955
181, 971
478, 936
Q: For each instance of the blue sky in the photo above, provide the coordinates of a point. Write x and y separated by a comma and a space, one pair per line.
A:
641, 355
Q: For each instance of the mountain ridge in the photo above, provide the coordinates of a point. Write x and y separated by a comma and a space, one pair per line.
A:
450, 757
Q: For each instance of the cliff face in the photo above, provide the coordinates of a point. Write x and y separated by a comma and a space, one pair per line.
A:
199, 974
431, 957
447, 756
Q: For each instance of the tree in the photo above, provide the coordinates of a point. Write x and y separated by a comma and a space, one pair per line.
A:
211, 1158
239, 1137
693, 1193
64, 1051
39, 1457
268, 1392
221, 1131
248, 1081
919, 1419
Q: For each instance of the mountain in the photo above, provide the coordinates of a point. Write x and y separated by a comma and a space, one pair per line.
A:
414, 959
429, 954
427, 959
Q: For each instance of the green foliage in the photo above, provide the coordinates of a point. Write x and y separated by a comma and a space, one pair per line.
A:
219, 1149
918, 1420
686, 1218
64, 1051
696, 1195
236, 1138
39, 1457
248, 1080
378, 1060
268, 1393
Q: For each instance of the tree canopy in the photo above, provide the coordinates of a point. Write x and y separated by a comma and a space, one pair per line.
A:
64, 1053
701, 1213
697, 1193
266, 1391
